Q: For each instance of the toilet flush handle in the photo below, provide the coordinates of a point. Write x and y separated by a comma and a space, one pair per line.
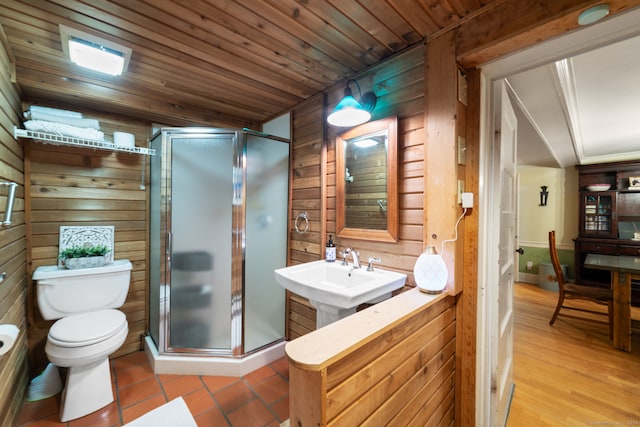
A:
45, 283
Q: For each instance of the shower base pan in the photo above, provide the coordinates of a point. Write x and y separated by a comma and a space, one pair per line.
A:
182, 364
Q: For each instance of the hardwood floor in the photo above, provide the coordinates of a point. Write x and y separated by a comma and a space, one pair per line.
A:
569, 374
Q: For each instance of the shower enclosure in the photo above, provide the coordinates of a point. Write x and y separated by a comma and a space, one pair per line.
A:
218, 220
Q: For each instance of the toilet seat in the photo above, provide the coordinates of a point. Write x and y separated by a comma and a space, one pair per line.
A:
88, 385
80, 330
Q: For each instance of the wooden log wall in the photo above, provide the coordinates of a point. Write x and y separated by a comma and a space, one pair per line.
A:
399, 86
305, 245
402, 376
77, 186
13, 291
307, 183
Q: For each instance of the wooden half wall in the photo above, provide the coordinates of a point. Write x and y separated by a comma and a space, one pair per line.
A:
392, 366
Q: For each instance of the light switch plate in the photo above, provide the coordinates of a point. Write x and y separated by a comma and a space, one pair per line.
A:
462, 151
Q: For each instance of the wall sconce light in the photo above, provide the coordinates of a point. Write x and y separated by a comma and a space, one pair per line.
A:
544, 194
351, 112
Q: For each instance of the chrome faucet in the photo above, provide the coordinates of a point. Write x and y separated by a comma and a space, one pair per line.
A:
371, 261
354, 255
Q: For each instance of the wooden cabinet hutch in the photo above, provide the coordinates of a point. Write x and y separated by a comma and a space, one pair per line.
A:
608, 219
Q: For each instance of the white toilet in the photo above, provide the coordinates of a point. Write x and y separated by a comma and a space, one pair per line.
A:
89, 330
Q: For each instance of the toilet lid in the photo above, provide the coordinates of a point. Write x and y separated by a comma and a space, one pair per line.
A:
87, 328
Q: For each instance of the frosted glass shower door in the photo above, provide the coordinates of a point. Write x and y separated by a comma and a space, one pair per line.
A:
267, 196
201, 241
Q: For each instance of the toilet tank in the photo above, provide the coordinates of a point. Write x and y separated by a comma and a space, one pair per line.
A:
62, 292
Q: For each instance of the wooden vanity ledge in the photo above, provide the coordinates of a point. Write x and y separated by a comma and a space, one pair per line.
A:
318, 349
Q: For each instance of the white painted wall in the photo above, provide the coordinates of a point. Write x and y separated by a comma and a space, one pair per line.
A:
561, 212
280, 126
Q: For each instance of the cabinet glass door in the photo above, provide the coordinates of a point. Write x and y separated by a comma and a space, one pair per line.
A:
597, 214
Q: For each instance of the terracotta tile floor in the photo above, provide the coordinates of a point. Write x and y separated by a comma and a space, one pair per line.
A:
260, 398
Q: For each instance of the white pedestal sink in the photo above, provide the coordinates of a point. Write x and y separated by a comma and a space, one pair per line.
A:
336, 290
326, 313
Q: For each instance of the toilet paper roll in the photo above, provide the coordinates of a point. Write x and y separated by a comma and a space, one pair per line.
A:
8, 336
124, 139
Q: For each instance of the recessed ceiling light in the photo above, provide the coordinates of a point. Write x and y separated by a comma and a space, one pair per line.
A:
593, 14
96, 57
92, 52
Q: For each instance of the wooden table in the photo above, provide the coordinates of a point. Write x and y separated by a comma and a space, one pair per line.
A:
621, 267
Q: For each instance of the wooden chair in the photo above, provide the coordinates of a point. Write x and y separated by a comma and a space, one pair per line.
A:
576, 291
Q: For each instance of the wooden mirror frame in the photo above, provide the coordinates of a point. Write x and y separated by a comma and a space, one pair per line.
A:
391, 233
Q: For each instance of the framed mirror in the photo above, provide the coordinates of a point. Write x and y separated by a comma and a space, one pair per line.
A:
367, 181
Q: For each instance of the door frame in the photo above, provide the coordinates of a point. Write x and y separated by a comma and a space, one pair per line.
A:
609, 31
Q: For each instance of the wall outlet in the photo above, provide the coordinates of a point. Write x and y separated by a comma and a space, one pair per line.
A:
467, 200
460, 190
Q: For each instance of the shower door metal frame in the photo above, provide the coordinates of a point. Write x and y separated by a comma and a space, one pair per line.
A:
238, 206
237, 247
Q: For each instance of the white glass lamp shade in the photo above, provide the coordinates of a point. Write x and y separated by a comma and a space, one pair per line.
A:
430, 272
348, 112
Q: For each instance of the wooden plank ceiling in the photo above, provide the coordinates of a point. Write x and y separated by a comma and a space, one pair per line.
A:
216, 62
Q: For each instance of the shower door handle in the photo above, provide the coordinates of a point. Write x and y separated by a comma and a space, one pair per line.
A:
169, 244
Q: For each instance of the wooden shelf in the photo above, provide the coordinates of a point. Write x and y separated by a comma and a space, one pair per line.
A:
55, 139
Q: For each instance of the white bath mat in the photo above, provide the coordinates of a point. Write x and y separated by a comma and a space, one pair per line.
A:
171, 414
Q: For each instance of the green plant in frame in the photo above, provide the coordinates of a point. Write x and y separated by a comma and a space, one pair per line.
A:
84, 251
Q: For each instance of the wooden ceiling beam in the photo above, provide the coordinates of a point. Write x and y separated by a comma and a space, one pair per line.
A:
517, 24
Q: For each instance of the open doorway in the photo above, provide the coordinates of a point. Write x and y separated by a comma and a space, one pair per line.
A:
617, 28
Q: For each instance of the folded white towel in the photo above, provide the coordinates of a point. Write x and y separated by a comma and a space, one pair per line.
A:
73, 121
57, 111
64, 129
